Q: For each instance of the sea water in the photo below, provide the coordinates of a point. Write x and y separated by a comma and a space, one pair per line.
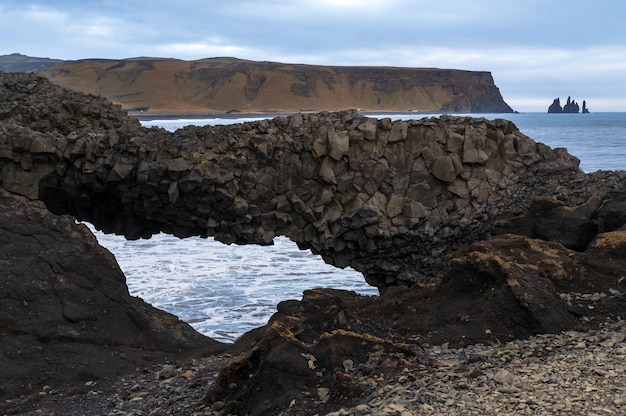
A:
223, 290
226, 290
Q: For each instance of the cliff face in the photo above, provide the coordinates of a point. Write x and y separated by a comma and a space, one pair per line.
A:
229, 84
570, 107
66, 315
390, 199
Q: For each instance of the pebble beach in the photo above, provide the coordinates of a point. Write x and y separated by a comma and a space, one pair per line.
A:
573, 373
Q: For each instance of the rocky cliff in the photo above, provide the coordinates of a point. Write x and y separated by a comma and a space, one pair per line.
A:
390, 199
229, 84
393, 199
65, 311
570, 106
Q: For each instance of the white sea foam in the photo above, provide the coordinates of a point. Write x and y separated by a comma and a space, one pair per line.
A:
172, 123
223, 290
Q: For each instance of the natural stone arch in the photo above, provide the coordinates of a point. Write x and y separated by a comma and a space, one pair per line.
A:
391, 199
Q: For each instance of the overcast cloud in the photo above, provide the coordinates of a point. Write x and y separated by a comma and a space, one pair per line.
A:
536, 50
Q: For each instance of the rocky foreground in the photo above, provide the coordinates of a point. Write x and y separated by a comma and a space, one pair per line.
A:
74, 342
472, 344
575, 373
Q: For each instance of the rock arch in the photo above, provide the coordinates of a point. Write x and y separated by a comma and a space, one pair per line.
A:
390, 198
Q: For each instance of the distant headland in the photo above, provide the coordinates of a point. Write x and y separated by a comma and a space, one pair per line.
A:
570, 107
227, 85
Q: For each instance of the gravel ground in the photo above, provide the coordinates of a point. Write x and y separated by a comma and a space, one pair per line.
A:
574, 373
166, 389
571, 373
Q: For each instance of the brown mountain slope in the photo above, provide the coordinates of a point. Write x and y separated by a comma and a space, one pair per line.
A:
226, 84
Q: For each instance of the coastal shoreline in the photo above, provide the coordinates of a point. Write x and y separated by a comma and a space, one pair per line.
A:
499, 238
260, 113
533, 376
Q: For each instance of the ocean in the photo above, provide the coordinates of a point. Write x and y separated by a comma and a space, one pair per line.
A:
226, 290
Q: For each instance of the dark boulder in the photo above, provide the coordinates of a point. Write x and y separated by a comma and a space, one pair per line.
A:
66, 316
611, 215
308, 356
550, 219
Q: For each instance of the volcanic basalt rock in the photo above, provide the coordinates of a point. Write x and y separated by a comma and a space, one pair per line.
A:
66, 316
391, 199
500, 289
400, 201
570, 106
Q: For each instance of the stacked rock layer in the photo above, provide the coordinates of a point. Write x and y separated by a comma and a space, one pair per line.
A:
392, 199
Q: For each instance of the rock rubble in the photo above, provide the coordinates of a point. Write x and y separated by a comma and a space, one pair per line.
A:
568, 373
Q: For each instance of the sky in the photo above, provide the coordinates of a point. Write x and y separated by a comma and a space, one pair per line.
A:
536, 50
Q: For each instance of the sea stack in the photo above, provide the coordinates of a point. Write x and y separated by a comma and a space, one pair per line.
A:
570, 106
